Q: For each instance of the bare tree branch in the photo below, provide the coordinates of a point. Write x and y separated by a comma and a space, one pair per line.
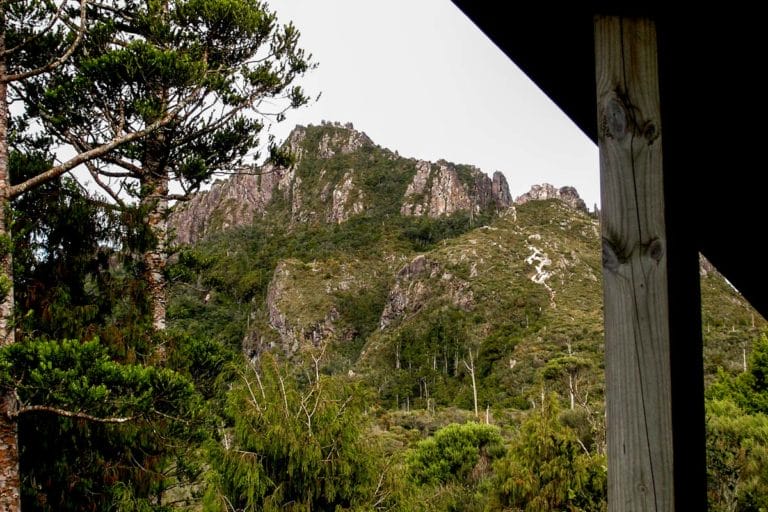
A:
71, 414
94, 171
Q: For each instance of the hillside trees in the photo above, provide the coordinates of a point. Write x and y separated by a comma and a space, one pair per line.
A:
737, 457
456, 453
547, 468
218, 67
452, 469
737, 435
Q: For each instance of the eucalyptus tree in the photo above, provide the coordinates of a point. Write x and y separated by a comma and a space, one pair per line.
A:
223, 67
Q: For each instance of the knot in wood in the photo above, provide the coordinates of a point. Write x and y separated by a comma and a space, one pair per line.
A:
615, 118
656, 249
650, 132
610, 258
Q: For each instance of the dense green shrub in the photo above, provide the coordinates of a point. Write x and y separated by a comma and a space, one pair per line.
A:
456, 453
547, 468
293, 446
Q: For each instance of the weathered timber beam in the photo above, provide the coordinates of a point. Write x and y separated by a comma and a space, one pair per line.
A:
635, 284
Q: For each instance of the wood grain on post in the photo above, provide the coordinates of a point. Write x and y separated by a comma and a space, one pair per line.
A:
638, 394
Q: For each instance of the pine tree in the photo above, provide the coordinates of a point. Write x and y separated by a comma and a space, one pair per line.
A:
295, 445
547, 468
131, 428
220, 67
37, 40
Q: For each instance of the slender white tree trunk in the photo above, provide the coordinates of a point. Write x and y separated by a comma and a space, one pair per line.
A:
471, 369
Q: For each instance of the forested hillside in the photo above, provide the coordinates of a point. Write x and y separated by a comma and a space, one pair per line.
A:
492, 317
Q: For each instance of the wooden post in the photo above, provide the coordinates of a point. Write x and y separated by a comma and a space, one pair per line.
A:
635, 284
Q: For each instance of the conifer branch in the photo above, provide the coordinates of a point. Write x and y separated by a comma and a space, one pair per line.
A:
54, 18
97, 152
54, 63
104, 186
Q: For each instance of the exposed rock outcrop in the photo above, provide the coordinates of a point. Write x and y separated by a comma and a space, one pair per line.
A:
568, 195
229, 203
500, 190
327, 183
341, 141
418, 280
297, 317
443, 188
347, 199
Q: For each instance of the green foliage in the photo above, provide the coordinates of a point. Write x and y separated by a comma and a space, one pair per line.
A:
61, 256
210, 61
456, 453
81, 376
749, 390
546, 468
293, 446
427, 355
737, 457
6, 245
5, 286
737, 435
205, 362
729, 324
32, 34
75, 391
423, 233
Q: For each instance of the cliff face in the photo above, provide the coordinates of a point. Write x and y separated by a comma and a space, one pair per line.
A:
338, 173
233, 202
444, 188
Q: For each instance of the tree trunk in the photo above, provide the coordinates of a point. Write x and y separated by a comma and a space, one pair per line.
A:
6, 252
155, 207
9, 447
471, 369
10, 481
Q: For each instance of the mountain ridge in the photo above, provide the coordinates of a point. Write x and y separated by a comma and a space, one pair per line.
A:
330, 181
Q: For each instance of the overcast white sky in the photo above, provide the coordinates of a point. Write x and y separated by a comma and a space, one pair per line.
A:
418, 77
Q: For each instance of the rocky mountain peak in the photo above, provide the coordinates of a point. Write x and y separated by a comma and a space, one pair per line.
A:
338, 172
568, 195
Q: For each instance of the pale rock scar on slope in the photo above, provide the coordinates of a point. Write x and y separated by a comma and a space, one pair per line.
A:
539, 259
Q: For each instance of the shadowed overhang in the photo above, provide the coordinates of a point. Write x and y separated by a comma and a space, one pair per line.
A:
713, 109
